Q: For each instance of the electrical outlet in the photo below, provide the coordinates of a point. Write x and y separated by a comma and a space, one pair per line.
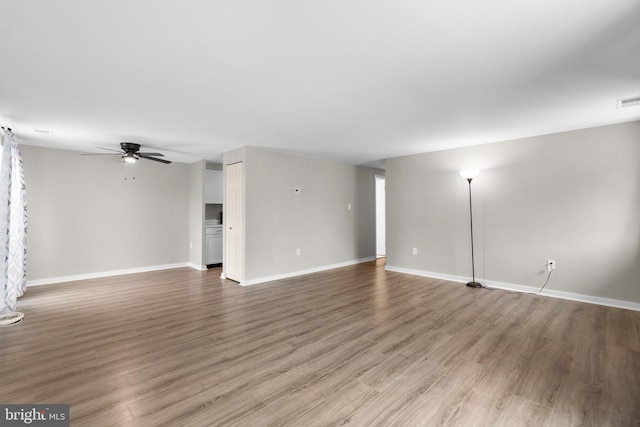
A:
414, 251
551, 264
298, 251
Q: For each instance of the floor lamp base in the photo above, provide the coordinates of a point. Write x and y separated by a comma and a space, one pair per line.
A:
474, 285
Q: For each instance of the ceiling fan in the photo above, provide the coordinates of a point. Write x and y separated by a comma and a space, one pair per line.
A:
130, 153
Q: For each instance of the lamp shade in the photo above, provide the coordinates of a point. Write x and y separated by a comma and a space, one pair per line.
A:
469, 174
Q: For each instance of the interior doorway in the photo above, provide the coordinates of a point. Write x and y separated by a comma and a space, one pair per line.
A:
381, 241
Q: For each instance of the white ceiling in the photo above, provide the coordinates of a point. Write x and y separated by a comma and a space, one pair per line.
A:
351, 80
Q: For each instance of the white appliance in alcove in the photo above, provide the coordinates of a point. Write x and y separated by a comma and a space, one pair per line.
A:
213, 186
213, 243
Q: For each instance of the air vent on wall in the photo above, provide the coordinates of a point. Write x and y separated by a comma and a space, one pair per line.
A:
629, 102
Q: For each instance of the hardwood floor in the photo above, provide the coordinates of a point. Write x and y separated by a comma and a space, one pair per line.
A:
353, 346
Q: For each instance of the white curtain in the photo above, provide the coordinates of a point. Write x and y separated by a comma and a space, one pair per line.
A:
13, 225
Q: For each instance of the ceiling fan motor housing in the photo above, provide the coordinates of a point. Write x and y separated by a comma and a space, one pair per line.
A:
130, 147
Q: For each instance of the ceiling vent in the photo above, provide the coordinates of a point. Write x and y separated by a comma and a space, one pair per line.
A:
629, 102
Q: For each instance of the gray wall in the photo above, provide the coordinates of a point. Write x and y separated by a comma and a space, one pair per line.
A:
316, 220
196, 214
85, 218
573, 197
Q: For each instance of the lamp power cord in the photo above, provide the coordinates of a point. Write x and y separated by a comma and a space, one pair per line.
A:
483, 286
545, 282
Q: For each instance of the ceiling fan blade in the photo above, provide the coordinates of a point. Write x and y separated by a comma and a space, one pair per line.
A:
151, 154
142, 156
110, 149
101, 154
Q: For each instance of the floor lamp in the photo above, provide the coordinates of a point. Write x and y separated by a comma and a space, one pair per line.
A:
469, 175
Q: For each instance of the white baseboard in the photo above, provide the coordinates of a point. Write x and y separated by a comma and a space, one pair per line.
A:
197, 267
629, 305
98, 275
303, 272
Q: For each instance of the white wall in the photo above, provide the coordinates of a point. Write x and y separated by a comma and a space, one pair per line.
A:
84, 218
316, 220
573, 197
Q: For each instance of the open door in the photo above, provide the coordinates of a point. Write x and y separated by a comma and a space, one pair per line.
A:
234, 223
381, 241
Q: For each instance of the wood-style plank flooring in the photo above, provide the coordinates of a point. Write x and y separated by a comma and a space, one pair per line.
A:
353, 346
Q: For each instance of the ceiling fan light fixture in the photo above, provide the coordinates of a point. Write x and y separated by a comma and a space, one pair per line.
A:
129, 158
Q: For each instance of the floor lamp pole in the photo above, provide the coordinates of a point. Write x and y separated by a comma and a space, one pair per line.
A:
473, 283
469, 175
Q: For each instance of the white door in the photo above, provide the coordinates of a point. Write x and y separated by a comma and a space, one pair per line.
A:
234, 214
381, 243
